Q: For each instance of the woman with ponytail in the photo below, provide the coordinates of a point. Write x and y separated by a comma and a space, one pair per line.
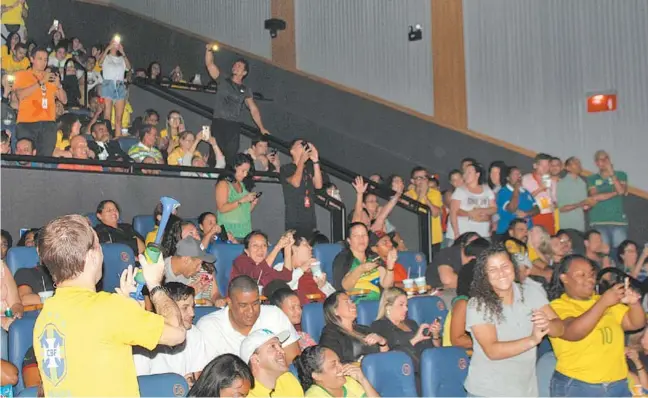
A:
590, 353
321, 374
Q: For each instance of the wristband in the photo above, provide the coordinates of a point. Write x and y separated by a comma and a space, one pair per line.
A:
641, 368
317, 162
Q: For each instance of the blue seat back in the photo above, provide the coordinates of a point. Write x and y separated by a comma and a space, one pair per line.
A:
545, 368
92, 216
21, 257
313, 320
425, 309
163, 385
293, 369
325, 253
202, 311
367, 312
127, 142
445, 370
390, 373
20, 339
544, 347
413, 261
117, 257
143, 224
31, 392
225, 255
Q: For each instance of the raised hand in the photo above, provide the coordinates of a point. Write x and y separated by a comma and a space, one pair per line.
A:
613, 295
152, 272
359, 185
630, 296
127, 284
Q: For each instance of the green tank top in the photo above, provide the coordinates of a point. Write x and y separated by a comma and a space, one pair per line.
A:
238, 221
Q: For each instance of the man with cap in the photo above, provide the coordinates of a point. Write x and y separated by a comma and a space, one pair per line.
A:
186, 263
383, 245
262, 351
224, 331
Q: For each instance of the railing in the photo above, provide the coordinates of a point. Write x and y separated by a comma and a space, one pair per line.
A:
422, 211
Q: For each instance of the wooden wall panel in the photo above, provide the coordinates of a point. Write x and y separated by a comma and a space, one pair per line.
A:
283, 46
449, 63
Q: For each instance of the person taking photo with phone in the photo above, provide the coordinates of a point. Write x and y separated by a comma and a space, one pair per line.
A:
37, 91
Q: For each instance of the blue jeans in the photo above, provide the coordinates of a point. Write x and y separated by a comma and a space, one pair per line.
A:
612, 235
563, 386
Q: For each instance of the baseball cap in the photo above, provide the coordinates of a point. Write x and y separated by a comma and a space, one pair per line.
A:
375, 237
258, 338
190, 247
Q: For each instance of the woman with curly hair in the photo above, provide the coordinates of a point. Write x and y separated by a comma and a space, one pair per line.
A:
590, 354
507, 322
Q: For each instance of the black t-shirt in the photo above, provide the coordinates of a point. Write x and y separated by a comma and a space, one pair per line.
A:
35, 278
465, 278
399, 340
124, 233
348, 348
230, 98
449, 256
300, 201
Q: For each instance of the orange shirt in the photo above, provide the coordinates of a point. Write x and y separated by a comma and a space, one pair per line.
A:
30, 109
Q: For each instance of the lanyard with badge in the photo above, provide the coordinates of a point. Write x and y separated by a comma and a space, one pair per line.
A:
43, 89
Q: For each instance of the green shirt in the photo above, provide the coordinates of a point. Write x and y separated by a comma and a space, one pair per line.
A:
607, 212
239, 220
570, 191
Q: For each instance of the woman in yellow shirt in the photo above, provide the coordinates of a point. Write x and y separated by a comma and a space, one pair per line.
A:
188, 144
322, 375
170, 135
12, 39
590, 353
69, 127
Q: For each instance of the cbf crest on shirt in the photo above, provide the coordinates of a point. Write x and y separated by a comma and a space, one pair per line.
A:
52, 344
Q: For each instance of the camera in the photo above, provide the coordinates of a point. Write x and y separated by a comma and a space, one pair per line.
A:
306, 145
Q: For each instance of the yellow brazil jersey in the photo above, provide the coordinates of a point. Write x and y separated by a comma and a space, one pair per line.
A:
368, 281
9, 65
352, 389
175, 157
126, 116
287, 386
13, 16
599, 357
150, 237
61, 143
435, 198
83, 343
446, 330
175, 139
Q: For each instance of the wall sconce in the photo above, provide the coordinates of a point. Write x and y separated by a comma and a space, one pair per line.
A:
415, 33
274, 25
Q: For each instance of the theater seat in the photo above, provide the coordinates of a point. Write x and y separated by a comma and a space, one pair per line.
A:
117, 257
293, 369
313, 320
31, 392
20, 339
21, 257
367, 312
390, 373
225, 255
163, 385
127, 142
425, 309
143, 224
202, 311
325, 253
413, 261
544, 347
92, 216
444, 370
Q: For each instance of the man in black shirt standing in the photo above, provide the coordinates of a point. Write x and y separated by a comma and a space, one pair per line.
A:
230, 96
299, 180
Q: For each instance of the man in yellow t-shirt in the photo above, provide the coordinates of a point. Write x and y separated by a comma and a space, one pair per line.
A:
263, 352
14, 12
83, 338
430, 197
17, 61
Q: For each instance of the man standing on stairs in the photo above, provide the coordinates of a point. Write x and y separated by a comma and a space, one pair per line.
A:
230, 96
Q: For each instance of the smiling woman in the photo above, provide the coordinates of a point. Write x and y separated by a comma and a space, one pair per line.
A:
110, 230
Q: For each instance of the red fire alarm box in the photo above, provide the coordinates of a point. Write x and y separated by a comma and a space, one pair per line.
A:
601, 102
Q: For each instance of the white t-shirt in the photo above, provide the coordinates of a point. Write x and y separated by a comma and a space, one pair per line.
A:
470, 201
221, 338
114, 68
183, 359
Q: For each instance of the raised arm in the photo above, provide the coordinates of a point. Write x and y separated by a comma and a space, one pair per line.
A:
212, 69
360, 187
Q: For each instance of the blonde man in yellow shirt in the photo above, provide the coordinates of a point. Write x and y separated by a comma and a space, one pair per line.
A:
83, 338
590, 354
14, 12
430, 197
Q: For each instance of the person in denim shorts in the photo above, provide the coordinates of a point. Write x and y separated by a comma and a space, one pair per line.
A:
113, 89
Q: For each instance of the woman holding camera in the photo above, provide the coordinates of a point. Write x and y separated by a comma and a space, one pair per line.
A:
233, 201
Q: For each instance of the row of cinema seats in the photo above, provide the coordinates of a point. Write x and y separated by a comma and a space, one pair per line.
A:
391, 373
